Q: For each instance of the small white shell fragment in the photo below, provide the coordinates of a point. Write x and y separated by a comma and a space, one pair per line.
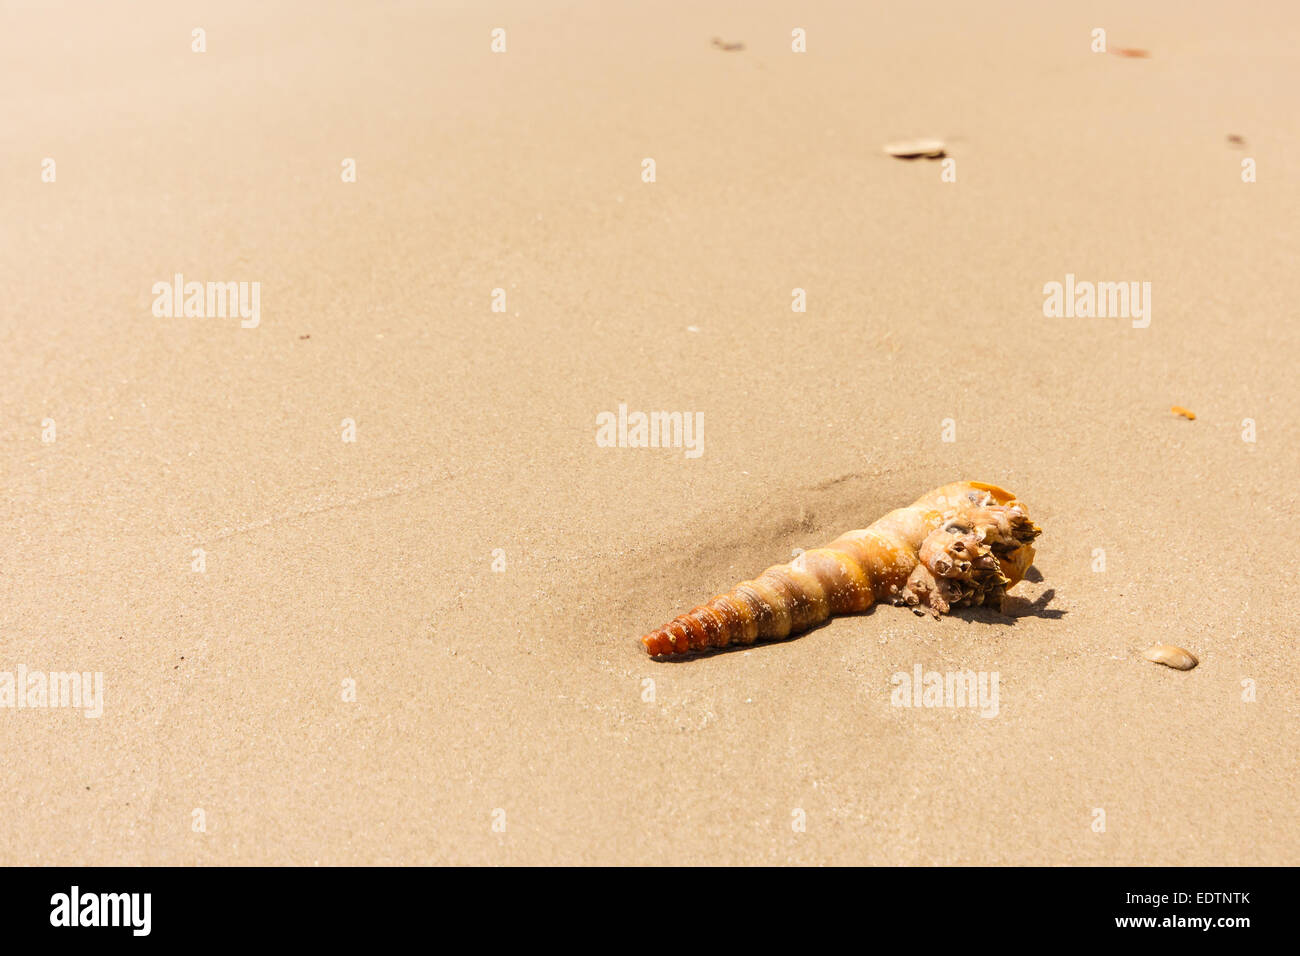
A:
1171, 656
912, 148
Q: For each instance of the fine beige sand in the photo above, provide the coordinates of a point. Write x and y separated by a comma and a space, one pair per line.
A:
508, 716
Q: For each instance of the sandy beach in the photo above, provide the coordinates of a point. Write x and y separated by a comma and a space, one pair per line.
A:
365, 587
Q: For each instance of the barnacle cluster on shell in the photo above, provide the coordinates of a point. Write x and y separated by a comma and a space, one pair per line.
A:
962, 560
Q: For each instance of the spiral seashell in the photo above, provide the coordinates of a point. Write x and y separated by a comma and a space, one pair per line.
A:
961, 545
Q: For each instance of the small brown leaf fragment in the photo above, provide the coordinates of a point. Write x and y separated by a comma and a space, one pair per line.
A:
1179, 410
1235, 140
1171, 656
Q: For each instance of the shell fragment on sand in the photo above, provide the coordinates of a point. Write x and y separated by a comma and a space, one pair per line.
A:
1171, 656
916, 148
